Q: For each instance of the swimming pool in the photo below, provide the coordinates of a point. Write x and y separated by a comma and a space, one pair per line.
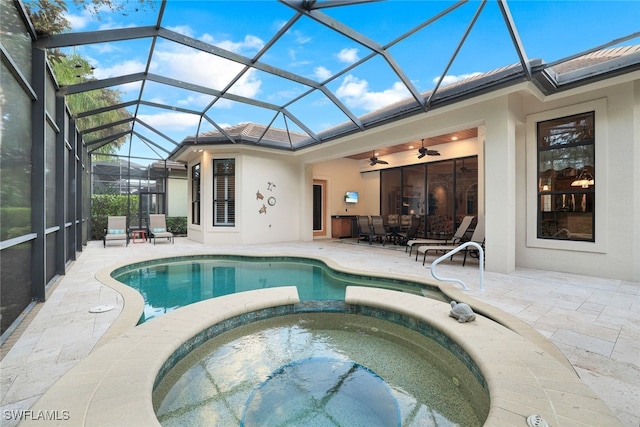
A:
170, 283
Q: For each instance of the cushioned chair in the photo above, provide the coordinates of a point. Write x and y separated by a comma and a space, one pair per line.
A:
457, 238
158, 228
393, 220
116, 230
405, 222
476, 237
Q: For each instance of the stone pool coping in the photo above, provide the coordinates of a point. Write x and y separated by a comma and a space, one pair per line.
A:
134, 303
524, 371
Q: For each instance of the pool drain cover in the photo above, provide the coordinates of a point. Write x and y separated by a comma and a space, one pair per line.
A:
102, 308
536, 421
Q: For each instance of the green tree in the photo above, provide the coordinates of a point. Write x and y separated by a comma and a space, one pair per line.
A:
75, 69
48, 17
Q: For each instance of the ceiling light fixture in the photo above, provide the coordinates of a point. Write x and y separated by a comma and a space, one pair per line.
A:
585, 179
425, 152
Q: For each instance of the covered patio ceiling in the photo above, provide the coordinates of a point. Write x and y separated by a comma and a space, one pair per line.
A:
316, 70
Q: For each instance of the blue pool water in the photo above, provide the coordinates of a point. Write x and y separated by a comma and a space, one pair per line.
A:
171, 283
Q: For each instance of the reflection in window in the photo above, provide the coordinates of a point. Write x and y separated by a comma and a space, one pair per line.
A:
566, 178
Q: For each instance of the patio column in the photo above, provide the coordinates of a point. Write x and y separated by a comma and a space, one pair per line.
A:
500, 187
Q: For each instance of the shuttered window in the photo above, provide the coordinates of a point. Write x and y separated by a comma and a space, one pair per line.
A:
224, 192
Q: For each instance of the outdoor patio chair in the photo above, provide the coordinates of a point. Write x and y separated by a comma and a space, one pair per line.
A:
476, 237
364, 228
457, 237
404, 237
116, 230
393, 220
378, 229
158, 228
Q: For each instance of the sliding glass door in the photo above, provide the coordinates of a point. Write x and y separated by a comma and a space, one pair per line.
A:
440, 192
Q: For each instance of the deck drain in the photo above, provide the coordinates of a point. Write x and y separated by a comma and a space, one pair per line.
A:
536, 421
101, 308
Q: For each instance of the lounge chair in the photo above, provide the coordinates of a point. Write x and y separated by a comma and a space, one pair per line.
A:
476, 237
404, 237
364, 228
158, 228
378, 229
116, 230
457, 238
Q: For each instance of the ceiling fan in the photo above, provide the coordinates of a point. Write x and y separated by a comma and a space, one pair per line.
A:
465, 169
375, 161
426, 152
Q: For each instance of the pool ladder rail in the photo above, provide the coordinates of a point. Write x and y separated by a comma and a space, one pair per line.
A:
463, 246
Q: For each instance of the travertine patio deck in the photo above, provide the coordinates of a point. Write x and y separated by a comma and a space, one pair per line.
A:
594, 322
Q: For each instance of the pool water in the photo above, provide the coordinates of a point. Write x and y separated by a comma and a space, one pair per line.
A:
172, 283
320, 369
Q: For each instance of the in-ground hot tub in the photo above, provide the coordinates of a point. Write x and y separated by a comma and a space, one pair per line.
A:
323, 368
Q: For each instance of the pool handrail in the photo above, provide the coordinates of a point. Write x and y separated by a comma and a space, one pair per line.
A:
454, 251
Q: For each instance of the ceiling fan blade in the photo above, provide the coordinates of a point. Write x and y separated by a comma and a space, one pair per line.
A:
426, 152
382, 162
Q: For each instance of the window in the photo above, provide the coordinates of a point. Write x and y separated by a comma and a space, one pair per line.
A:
195, 194
451, 192
566, 178
224, 192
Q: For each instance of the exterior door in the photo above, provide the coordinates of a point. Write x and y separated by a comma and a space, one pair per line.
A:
319, 208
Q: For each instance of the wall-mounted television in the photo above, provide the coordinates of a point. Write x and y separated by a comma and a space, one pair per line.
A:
351, 197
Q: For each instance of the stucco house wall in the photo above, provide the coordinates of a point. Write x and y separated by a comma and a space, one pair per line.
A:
269, 198
507, 180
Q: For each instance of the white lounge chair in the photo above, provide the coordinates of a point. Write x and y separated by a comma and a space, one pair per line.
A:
477, 237
456, 239
158, 228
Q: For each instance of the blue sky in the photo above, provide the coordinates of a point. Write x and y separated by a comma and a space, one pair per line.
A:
549, 30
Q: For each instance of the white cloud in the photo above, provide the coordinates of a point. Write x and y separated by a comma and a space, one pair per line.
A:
78, 22
249, 43
196, 100
355, 93
185, 30
348, 56
171, 121
102, 48
453, 79
121, 69
300, 37
206, 70
321, 73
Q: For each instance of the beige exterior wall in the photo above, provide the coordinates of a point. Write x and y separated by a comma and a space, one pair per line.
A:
177, 189
507, 178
